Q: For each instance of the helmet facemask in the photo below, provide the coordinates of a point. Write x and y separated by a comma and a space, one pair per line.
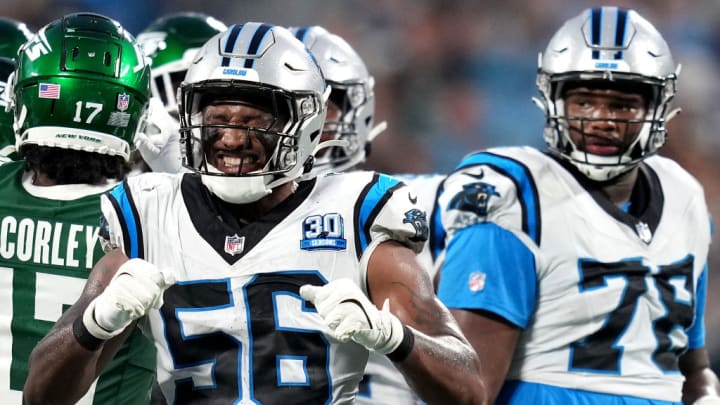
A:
650, 130
346, 138
265, 154
352, 104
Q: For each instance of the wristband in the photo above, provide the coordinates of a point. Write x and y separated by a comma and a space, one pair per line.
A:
84, 337
405, 347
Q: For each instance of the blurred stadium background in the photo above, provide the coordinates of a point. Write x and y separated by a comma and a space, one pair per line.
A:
457, 75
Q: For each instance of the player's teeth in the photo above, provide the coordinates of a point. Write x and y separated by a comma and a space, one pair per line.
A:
232, 161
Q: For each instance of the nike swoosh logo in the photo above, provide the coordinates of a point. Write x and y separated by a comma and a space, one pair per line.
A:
476, 176
412, 200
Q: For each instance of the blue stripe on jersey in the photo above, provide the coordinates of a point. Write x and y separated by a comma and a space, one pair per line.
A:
372, 199
437, 231
524, 183
696, 332
712, 227
231, 40
595, 28
620, 28
129, 220
506, 264
522, 393
255, 42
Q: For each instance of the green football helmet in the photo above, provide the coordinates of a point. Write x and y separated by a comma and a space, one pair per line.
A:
82, 84
13, 34
171, 43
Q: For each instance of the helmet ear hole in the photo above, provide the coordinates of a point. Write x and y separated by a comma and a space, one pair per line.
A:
308, 165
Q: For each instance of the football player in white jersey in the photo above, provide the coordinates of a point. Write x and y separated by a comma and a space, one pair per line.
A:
254, 287
345, 143
382, 382
579, 274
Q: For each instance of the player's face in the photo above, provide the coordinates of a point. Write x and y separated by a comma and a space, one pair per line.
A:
238, 150
597, 119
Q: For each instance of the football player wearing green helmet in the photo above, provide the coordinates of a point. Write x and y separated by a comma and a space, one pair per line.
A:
14, 34
171, 43
80, 89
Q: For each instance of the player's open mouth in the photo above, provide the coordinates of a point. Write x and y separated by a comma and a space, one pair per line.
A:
243, 164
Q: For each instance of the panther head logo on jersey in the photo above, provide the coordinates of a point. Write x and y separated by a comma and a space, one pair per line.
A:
474, 198
418, 219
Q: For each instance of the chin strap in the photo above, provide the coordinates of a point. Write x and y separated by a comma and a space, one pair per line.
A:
377, 130
330, 143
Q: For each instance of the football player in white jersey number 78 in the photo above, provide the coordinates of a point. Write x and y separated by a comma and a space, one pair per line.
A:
579, 275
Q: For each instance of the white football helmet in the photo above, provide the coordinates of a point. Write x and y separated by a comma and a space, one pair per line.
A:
615, 45
352, 90
260, 65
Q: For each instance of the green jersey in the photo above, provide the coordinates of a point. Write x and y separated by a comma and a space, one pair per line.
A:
48, 245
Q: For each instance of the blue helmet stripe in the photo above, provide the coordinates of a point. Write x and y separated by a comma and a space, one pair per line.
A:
595, 29
230, 44
255, 43
527, 192
300, 34
620, 28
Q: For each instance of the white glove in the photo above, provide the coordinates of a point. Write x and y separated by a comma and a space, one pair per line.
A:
136, 287
708, 400
349, 315
159, 139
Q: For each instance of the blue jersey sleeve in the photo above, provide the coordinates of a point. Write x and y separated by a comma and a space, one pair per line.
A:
488, 268
696, 332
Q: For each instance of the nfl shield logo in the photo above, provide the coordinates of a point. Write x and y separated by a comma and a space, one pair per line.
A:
123, 100
234, 244
476, 281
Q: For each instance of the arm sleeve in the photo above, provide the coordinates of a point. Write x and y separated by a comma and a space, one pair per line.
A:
488, 268
387, 210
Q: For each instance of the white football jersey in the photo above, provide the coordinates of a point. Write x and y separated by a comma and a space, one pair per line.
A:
383, 383
234, 329
608, 297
